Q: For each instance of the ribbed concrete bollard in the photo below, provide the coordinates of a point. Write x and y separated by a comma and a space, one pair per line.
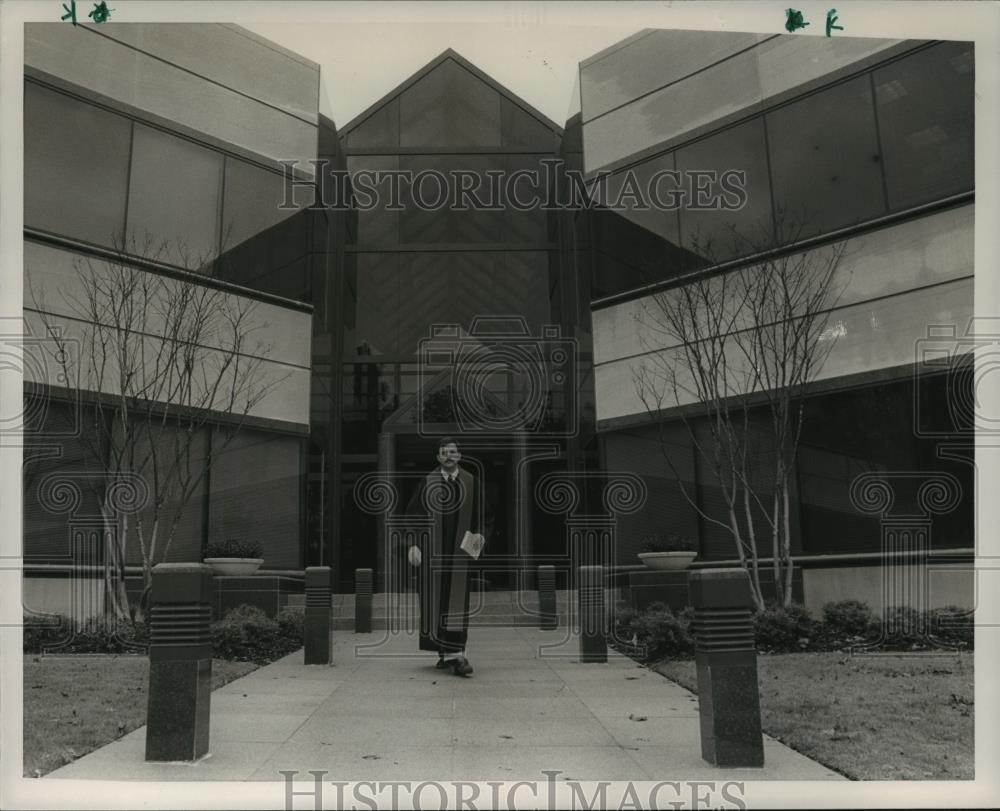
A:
726, 660
548, 619
590, 596
316, 628
363, 582
180, 662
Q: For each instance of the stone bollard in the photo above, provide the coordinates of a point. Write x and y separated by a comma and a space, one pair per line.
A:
590, 596
548, 619
363, 581
316, 628
180, 662
726, 660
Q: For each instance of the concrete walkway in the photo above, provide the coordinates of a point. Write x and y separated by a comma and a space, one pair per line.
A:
383, 711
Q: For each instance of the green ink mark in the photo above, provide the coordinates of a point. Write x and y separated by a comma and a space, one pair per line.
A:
831, 18
794, 20
70, 12
101, 12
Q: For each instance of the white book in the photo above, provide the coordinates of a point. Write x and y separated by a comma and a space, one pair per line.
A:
472, 544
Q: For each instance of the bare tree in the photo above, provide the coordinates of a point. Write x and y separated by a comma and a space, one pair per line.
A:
167, 364
734, 353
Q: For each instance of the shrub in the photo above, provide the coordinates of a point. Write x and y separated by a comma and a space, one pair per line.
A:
663, 634
952, 625
784, 630
247, 634
848, 617
59, 634
902, 629
234, 548
291, 623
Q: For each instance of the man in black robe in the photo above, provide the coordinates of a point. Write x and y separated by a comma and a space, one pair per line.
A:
449, 495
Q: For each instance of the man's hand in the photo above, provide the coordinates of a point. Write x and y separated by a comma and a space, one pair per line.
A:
414, 555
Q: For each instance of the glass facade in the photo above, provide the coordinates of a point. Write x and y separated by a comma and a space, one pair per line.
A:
173, 196
77, 158
845, 434
910, 141
415, 261
378, 278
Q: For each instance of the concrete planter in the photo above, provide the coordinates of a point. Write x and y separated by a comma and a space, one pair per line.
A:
239, 567
667, 560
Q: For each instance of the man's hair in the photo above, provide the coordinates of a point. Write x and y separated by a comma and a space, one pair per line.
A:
448, 440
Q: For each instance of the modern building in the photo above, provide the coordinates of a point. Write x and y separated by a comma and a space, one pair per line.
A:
155, 148
864, 141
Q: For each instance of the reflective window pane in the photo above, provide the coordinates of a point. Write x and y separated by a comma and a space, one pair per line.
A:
264, 246
174, 196
636, 194
705, 218
419, 224
826, 175
450, 107
376, 226
927, 123
250, 205
371, 305
651, 61
380, 129
522, 129
75, 167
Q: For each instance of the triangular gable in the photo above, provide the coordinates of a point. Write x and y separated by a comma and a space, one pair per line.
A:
459, 60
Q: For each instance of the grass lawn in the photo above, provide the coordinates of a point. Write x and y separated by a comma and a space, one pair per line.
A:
870, 717
74, 704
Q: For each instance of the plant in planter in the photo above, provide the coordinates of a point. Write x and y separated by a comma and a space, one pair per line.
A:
234, 557
670, 551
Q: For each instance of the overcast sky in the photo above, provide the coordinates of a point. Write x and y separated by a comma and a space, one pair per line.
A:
361, 62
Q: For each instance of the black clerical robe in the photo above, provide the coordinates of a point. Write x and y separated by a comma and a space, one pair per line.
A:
444, 572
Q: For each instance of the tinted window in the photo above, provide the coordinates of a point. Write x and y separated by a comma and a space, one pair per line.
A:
825, 162
523, 129
376, 226
445, 224
927, 124
252, 197
75, 167
738, 149
174, 196
380, 129
450, 107
653, 182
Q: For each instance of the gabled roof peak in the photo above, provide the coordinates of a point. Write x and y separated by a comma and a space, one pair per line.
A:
446, 55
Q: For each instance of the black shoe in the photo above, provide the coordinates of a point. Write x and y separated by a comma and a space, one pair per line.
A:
443, 664
461, 666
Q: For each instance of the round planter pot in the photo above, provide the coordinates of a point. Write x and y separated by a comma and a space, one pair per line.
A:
239, 567
667, 560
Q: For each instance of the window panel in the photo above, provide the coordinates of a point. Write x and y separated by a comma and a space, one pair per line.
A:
522, 129
373, 304
740, 149
927, 123
422, 226
841, 181
532, 225
75, 167
380, 129
252, 197
650, 62
650, 183
450, 107
174, 196
376, 227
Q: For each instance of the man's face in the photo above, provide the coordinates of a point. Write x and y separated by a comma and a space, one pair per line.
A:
448, 456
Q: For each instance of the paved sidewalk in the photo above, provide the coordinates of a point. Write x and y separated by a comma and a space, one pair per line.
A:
383, 711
